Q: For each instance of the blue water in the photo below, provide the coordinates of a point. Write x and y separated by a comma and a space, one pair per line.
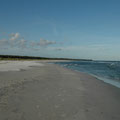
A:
108, 71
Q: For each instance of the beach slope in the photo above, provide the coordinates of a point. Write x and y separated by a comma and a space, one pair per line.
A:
51, 92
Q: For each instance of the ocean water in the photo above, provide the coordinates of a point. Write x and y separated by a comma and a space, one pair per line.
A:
106, 71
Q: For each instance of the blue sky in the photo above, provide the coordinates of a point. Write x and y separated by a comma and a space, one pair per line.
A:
61, 28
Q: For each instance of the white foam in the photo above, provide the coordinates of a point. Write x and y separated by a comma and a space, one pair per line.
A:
17, 65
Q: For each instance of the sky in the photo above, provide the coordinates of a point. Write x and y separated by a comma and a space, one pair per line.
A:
85, 29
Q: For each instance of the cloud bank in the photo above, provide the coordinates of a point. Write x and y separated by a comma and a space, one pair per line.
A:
17, 41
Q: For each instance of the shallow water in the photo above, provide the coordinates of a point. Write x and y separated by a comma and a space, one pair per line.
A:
108, 71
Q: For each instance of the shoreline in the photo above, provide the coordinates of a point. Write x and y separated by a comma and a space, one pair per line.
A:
108, 81
52, 92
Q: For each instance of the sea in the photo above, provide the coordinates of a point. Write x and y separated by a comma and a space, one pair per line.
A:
107, 71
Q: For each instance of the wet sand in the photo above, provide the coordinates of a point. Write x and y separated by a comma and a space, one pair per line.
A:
51, 92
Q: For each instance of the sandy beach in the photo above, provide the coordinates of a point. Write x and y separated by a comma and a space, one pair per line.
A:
34, 90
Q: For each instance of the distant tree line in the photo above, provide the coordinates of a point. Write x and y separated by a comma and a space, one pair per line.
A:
17, 57
21, 57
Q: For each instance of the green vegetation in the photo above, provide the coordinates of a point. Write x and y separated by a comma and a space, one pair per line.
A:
15, 57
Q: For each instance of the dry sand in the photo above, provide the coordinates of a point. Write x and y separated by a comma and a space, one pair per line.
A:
51, 92
17, 65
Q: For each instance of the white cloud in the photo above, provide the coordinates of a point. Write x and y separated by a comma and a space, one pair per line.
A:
15, 40
42, 43
14, 36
